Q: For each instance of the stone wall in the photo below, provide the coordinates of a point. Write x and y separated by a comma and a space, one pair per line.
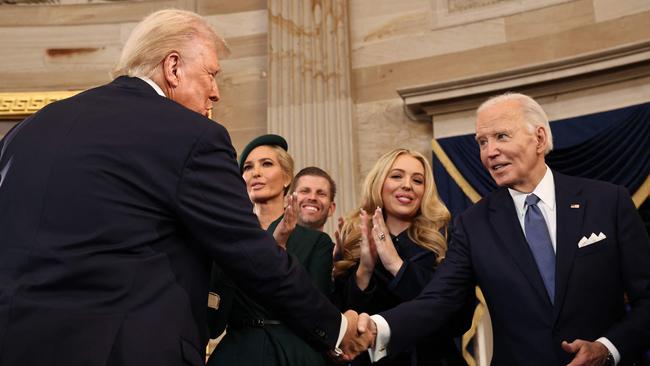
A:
71, 47
393, 45
408, 43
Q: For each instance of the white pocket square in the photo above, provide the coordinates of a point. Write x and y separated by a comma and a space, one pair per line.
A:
593, 238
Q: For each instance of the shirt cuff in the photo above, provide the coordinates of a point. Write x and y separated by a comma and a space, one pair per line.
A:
342, 329
380, 349
612, 349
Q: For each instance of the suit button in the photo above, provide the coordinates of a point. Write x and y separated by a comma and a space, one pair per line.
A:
319, 332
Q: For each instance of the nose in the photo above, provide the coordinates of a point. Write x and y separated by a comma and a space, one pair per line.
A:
215, 95
406, 184
492, 149
256, 170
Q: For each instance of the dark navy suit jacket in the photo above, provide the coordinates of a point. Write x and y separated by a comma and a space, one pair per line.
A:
114, 205
488, 248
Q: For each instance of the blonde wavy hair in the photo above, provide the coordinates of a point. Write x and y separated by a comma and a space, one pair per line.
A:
429, 227
161, 33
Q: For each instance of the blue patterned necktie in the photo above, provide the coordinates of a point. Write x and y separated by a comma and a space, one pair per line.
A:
540, 244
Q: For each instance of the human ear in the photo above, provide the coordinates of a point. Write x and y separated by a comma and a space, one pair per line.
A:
287, 180
542, 138
331, 209
171, 65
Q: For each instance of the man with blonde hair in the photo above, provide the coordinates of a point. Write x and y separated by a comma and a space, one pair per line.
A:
115, 202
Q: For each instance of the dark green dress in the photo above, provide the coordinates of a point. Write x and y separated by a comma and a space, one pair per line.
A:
247, 340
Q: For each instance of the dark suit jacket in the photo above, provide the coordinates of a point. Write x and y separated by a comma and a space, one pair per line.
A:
488, 248
115, 204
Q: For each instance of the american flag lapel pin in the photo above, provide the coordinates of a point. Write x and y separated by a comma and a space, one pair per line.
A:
575, 205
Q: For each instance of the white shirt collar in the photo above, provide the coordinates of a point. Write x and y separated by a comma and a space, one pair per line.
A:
153, 85
545, 190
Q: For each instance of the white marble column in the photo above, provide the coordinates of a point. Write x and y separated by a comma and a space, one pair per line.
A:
309, 89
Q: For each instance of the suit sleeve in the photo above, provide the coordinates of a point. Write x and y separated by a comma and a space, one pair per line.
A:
442, 298
222, 286
413, 277
408, 282
213, 207
320, 264
631, 336
10, 134
348, 295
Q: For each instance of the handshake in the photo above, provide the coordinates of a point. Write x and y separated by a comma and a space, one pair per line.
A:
359, 336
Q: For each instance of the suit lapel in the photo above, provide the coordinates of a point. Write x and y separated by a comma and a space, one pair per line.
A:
503, 218
570, 208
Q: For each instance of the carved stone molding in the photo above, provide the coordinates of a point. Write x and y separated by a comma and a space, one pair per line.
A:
552, 78
454, 12
19, 105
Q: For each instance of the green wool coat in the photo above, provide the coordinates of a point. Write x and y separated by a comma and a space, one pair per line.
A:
275, 344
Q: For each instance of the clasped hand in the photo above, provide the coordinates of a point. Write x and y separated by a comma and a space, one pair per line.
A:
359, 336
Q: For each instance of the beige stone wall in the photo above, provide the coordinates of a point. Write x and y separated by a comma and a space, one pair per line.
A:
415, 42
393, 45
69, 47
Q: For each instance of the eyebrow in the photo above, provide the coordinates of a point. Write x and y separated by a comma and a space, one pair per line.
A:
261, 160
496, 132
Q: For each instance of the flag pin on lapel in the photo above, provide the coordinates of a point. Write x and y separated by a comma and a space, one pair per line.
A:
575, 205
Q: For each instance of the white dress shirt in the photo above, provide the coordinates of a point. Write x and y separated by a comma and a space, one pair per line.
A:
545, 190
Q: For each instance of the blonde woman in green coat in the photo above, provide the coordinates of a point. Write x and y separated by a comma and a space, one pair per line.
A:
254, 334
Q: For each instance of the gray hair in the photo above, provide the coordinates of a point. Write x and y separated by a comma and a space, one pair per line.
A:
531, 111
159, 34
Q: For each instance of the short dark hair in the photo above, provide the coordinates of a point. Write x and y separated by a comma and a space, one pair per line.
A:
312, 170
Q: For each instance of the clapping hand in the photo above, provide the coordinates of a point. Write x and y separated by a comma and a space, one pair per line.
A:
367, 252
288, 222
337, 253
384, 244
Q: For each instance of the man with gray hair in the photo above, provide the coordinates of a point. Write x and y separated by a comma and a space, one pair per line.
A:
115, 202
554, 256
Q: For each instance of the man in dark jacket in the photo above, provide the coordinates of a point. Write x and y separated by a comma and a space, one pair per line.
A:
554, 256
113, 204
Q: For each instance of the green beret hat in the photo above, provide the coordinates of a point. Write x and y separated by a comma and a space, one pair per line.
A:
270, 139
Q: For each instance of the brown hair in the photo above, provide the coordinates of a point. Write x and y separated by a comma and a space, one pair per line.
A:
318, 172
